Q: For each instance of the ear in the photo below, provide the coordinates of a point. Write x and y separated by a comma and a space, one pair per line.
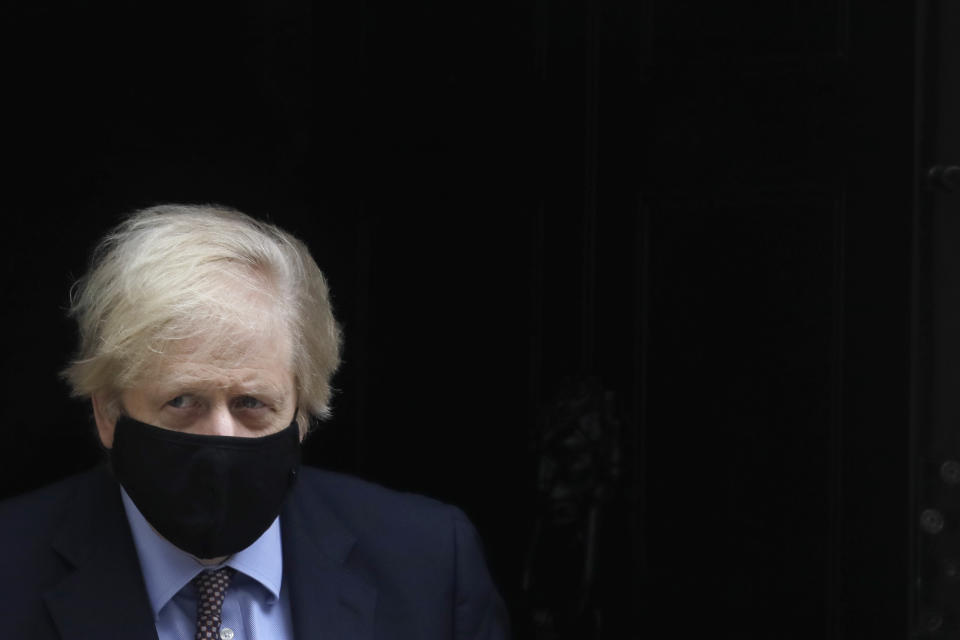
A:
106, 420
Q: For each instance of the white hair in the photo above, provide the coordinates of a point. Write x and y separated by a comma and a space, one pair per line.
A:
175, 272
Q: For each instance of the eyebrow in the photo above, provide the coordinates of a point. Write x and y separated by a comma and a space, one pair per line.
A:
184, 384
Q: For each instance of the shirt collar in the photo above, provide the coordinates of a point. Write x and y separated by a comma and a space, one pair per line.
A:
167, 568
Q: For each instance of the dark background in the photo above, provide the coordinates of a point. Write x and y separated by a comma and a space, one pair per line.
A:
700, 232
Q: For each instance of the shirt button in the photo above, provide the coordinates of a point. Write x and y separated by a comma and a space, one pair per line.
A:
226, 633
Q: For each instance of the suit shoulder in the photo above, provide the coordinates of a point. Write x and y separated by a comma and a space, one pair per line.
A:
344, 491
369, 508
424, 555
41, 508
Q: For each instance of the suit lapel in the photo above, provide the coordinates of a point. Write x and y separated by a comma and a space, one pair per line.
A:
105, 596
328, 599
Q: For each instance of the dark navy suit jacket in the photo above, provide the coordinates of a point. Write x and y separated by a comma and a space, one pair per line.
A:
361, 562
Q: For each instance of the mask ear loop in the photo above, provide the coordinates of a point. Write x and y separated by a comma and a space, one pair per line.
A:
108, 459
300, 437
296, 414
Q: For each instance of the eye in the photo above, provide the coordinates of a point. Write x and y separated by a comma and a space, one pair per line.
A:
248, 402
184, 401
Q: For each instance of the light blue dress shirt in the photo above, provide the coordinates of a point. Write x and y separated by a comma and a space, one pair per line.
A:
256, 607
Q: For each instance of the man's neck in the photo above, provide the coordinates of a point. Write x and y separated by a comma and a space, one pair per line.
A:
210, 562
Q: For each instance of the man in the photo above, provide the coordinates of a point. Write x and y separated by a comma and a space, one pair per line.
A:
207, 342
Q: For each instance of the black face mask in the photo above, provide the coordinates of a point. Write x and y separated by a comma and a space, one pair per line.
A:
209, 495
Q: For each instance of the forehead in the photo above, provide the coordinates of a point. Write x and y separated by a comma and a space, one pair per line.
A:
255, 358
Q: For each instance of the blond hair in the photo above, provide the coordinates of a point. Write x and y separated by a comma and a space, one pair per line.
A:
175, 272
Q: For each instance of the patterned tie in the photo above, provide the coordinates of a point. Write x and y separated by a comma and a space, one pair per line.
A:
211, 588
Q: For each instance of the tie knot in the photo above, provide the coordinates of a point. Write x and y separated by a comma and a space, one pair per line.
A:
214, 580
211, 589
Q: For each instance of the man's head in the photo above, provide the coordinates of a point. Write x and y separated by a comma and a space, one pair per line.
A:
202, 319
